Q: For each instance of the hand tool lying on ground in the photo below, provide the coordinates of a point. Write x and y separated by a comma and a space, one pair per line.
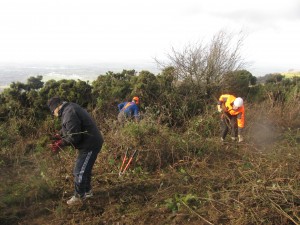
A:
122, 171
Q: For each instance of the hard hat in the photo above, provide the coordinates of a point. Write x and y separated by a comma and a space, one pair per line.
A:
238, 102
136, 100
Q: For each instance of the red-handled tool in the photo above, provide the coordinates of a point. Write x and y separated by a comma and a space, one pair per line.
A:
122, 171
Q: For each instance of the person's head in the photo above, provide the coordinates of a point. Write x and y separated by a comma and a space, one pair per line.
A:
53, 104
136, 100
237, 103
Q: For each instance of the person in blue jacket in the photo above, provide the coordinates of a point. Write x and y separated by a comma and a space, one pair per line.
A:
79, 130
129, 110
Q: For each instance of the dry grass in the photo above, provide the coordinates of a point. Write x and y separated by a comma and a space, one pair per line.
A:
185, 177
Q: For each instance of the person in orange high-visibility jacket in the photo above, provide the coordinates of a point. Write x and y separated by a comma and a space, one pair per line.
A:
233, 116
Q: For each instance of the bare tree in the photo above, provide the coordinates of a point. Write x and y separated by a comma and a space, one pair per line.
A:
204, 66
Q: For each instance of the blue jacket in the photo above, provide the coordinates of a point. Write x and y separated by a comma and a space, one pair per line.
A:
130, 109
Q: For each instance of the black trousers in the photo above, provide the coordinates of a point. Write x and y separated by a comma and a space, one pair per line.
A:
229, 123
83, 171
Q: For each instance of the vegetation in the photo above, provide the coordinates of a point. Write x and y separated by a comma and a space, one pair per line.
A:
181, 173
291, 74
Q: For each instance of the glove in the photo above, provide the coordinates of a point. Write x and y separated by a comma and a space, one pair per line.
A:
241, 139
219, 109
56, 136
56, 146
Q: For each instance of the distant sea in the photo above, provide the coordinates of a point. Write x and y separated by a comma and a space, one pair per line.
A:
87, 72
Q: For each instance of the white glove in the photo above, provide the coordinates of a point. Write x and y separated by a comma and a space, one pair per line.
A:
241, 139
219, 109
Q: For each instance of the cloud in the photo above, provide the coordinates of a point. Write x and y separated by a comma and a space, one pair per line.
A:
257, 11
135, 30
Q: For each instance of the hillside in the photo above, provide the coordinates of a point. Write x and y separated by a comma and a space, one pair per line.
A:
182, 172
204, 181
274, 76
291, 74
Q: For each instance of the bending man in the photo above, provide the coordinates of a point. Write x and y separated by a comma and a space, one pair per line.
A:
233, 116
80, 131
128, 110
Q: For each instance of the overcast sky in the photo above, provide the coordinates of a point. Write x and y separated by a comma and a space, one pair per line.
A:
137, 31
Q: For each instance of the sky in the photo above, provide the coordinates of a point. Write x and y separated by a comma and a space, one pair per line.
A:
138, 31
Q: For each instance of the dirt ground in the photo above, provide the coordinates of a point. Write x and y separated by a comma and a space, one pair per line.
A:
232, 184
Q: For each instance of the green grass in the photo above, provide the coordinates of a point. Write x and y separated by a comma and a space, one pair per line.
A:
291, 74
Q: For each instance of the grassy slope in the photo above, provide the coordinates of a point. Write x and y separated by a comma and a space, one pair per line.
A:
256, 182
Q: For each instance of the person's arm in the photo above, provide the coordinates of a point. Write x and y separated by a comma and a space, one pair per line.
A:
221, 103
241, 124
72, 130
219, 107
121, 105
241, 118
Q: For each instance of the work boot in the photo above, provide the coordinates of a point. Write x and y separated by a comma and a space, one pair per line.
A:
74, 201
88, 194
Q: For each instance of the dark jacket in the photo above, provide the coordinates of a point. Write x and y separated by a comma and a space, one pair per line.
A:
79, 129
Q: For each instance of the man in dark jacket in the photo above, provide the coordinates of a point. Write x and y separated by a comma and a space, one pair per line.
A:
80, 131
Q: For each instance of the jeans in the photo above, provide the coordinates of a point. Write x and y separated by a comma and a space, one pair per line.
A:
83, 172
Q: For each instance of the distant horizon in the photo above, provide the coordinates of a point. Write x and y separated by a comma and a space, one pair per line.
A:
137, 65
86, 71
21, 71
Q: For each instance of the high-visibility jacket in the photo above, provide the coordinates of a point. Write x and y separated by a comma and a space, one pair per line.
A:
226, 103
